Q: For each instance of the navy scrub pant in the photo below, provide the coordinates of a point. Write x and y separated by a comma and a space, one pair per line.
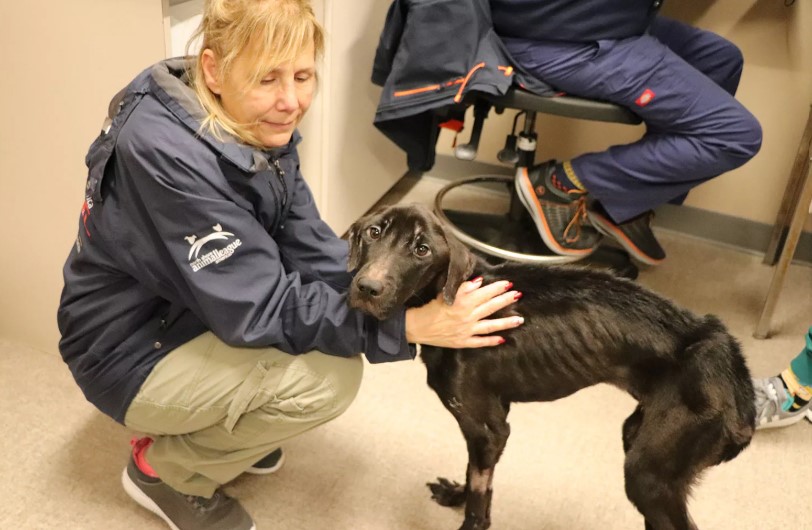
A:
680, 80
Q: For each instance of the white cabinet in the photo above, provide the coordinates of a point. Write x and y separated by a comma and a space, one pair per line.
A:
348, 164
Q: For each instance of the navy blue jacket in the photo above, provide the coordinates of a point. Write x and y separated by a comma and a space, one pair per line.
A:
181, 233
572, 20
431, 54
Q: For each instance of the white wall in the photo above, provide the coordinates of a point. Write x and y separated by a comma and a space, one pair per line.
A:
61, 63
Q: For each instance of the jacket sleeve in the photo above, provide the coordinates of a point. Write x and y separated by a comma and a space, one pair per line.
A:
235, 281
308, 245
388, 43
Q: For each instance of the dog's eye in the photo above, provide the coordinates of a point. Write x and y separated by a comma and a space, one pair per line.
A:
374, 232
421, 250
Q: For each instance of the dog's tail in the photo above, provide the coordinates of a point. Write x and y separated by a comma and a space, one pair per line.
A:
725, 388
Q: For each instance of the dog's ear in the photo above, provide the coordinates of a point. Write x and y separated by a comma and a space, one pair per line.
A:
460, 267
356, 243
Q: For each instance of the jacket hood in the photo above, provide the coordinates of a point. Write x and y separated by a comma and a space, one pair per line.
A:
170, 83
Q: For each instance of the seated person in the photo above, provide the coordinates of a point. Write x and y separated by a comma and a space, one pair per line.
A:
785, 399
679, 79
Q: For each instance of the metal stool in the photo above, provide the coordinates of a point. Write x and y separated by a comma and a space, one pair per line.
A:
513, 236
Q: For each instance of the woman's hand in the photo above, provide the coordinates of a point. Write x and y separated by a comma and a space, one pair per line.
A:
464, 324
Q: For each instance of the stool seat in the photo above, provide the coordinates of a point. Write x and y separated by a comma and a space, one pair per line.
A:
564, 105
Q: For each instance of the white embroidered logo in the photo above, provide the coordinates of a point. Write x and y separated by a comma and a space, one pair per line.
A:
217, 255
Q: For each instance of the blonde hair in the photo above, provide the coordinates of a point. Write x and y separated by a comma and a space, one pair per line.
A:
279, 30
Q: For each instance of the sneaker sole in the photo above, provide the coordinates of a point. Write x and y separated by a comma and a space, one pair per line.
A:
785, 422
267, 470
527, 196
142, 499
607, 228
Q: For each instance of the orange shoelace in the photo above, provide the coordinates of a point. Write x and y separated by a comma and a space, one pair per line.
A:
578, 218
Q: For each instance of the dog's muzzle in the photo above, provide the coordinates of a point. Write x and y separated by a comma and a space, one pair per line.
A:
372, 296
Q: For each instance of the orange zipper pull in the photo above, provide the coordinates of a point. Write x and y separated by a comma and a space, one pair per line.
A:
458, 97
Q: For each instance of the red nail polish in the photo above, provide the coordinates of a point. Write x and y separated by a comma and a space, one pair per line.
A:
501, 341
518, 295
477, 279
509, 286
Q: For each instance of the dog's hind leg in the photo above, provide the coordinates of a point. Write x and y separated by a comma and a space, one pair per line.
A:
662, 502
663, 448
630, 428
483, 422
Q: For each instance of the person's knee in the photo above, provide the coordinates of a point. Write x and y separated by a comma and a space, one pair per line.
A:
311, 388
727, 63
734, 139
327, 386
346, 382
732, 57
747, 137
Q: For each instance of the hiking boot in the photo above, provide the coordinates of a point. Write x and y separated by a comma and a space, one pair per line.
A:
773, 405
559, 215
269, 464
635, 235
184, 512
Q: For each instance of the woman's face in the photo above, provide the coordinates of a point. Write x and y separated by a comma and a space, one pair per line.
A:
273, 108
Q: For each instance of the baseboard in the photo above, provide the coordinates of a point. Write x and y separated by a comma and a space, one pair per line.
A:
743, 234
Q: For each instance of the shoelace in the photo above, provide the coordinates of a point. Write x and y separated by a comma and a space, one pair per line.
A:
771, 394
202, 503
767, 395
578, 218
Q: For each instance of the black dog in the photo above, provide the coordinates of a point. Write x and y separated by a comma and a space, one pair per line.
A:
582, 327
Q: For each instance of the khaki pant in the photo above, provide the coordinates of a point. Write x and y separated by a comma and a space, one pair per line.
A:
214, 410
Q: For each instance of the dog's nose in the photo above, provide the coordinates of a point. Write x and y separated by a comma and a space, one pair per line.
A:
370, 287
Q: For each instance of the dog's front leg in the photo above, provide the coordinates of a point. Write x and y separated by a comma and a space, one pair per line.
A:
483, 420
478, 502
477, 499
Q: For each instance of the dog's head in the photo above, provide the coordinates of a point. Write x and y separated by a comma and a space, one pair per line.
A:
404, 256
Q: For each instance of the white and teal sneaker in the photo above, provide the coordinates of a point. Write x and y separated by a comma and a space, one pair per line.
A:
774, 405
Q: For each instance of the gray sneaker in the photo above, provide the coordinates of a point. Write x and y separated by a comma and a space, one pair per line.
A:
184, 512
271, 463
773, 405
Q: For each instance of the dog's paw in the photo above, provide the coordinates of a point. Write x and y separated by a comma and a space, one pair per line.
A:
446, 492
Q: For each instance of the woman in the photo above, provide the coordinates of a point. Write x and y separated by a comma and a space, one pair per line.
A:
204, 298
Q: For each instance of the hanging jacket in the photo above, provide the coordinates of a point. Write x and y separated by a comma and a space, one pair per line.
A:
431, 54
181, 233
572, 21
